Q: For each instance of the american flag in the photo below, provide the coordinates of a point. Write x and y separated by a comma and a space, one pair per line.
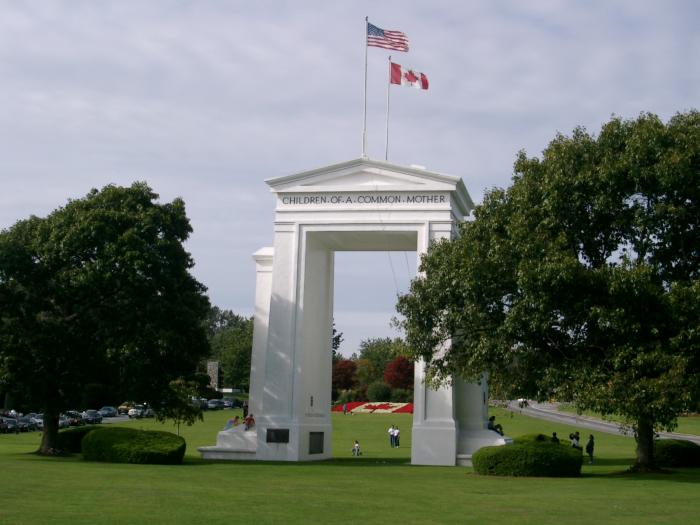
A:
378, 37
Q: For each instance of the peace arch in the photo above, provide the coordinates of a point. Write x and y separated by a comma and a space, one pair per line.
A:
359, 205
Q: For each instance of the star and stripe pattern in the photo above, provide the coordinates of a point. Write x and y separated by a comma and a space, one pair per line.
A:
386, 39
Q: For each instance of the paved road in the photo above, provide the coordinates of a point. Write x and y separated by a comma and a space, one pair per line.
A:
549, 412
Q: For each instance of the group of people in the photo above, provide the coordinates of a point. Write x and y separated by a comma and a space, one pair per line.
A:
575, 439
394, 436
248, 422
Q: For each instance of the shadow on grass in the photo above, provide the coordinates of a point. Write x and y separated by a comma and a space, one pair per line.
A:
616, 462
678, 475
334, 462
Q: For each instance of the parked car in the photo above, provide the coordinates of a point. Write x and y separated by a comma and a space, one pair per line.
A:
8, 425
215, 404
108, 411
38, 420
125, 407
200, 402
91, 417
74, 418
25, 424
136, 411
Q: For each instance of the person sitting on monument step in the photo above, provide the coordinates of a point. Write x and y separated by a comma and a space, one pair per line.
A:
496, 427
249, 422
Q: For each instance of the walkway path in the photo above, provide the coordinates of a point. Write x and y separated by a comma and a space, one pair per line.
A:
550, 412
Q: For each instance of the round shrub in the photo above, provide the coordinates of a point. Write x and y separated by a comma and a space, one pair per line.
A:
401, 395
379, 391
677, 453
128, 445
69, 440
528, 458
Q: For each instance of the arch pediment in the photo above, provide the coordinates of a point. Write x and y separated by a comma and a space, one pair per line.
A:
365, 175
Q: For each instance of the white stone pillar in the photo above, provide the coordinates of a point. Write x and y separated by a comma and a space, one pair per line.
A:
297, 383
434, 440
261, 320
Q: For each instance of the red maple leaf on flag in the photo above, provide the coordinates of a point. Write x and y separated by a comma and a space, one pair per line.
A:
410, 76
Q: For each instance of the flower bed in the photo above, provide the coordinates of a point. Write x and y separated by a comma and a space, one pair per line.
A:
360, 407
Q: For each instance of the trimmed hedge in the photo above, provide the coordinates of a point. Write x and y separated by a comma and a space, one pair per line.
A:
69, 440
128, 445
529, 456
676, 453
401, 395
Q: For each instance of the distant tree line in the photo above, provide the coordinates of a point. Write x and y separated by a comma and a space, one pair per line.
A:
231, 339
381, 372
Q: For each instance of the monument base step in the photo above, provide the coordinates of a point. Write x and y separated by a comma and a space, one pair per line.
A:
226, 453
233, 444
464, 460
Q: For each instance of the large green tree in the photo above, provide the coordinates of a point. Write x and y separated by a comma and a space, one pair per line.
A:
375, 355
99, 291
581, 280
231, 339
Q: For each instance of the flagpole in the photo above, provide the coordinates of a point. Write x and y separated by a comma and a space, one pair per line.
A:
364, 119
388, 90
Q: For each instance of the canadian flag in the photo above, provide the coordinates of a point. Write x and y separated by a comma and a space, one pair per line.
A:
408, 77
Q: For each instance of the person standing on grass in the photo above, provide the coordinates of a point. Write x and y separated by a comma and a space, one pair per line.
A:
392, 437
575, 443
345, 408
589, 449
356, 448
397, 435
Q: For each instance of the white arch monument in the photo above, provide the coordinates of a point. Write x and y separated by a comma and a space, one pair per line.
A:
360, 205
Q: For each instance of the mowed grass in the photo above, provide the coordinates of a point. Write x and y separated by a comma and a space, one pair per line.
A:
379, 487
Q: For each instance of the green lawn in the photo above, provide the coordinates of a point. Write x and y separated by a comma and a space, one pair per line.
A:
379, 487
686, 424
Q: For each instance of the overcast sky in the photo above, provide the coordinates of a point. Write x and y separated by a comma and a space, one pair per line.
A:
206, 99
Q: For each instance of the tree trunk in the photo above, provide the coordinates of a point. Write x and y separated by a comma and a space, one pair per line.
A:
645, 445
49, 437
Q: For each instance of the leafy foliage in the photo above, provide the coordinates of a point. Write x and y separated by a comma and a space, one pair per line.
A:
581, 280
401, 395
128, 445
529, 458
344, 374
336, 340
178, 404
99, 292
231, 340
677, 453
379, 391
399, 373
377, 353
69, 440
